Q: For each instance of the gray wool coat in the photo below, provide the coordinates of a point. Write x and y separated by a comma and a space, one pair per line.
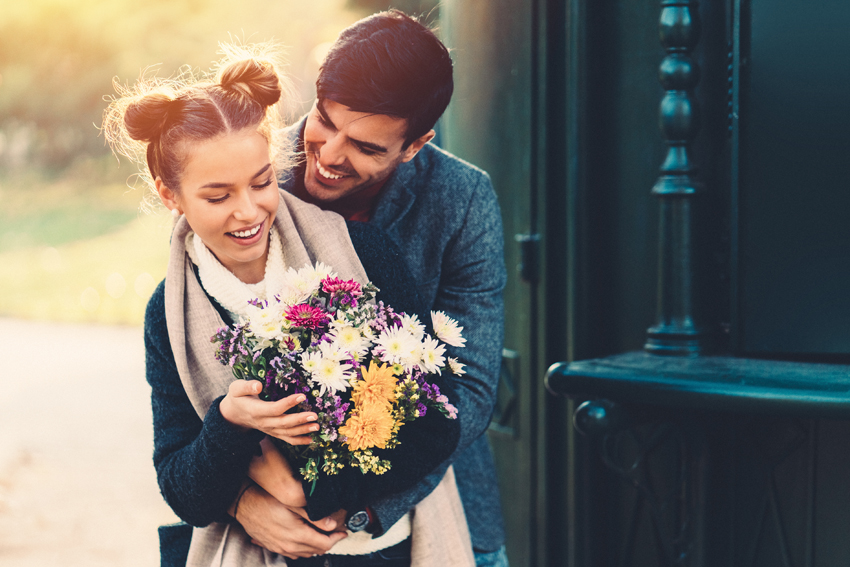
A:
443, 214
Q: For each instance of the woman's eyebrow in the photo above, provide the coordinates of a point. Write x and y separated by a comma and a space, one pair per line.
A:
220, 185
262, 171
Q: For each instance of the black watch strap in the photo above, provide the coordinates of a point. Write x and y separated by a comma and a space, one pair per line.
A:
358, 521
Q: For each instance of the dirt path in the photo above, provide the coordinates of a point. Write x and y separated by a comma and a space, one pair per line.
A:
77, 486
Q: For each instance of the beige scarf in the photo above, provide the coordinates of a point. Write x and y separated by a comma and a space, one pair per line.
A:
439, 532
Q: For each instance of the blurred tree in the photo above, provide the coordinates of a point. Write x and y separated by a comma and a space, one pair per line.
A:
58, 58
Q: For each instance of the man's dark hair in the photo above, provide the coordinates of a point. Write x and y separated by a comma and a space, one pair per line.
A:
389, 63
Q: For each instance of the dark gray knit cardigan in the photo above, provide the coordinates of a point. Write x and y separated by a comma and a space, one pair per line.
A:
200, 465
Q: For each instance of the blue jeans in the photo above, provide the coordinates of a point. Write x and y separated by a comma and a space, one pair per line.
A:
496, 558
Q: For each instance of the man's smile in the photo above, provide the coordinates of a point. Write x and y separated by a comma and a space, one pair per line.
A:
327, 174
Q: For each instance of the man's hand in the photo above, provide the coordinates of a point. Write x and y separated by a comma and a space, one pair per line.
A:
273, 473
281, 529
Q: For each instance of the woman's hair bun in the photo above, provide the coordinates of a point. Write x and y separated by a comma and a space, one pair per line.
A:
254, 78
147, 116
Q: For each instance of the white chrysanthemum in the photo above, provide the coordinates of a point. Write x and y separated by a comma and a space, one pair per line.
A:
456, 367
298, 286
349, 339
412, 325
397, 346
432, 355
447, 329
330, 376
368, 332
293, 295
322, 271
311, 360
309, 277
332, 351
268, 322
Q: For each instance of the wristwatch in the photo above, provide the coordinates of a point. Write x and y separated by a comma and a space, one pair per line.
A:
358, 521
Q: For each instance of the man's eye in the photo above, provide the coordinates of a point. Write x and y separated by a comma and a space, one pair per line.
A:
366, 151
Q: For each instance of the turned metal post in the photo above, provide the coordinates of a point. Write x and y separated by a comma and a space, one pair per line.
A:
675, 331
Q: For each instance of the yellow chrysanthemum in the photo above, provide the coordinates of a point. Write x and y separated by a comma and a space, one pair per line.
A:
370, 426
377, 386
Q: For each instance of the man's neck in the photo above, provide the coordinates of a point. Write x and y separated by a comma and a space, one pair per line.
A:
357, 207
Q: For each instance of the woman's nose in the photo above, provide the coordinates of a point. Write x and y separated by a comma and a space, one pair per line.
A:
245, 207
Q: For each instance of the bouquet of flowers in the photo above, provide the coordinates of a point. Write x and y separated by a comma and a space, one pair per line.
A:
362, 367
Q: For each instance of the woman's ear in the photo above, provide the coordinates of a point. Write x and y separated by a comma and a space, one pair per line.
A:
167, 196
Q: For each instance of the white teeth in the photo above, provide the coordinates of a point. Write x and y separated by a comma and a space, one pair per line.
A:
247, 233
326, 173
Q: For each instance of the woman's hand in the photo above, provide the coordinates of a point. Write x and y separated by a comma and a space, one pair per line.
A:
243, 408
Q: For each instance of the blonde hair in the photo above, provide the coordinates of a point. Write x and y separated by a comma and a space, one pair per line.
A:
153, 121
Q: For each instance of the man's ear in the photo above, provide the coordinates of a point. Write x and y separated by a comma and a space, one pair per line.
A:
416, 145
166, 195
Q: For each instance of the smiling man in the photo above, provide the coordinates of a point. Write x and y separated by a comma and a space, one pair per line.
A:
367, 155
360, 150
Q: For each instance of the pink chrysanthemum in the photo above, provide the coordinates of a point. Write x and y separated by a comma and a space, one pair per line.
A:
306, 316
334, 285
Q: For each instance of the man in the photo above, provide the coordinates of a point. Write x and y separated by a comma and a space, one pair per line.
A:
381, 89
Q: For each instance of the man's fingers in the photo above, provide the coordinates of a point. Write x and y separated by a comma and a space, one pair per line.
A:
301, 512
325, 524
310, 542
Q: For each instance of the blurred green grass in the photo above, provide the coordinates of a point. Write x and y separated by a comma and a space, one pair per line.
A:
78, 248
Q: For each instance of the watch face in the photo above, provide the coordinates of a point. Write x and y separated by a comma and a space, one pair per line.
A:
358, 521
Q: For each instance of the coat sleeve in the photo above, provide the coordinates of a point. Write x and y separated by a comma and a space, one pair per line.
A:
423, 443
470, 290
200, 465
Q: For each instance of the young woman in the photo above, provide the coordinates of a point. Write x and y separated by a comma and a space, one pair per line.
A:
212, 153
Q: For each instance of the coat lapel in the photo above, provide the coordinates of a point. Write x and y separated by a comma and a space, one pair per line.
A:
397, 197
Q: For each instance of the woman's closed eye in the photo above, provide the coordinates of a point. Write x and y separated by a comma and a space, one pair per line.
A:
264, 184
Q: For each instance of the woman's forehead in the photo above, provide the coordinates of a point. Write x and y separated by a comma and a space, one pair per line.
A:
226, 159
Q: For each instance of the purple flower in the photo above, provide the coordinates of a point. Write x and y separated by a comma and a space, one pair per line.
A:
451, 409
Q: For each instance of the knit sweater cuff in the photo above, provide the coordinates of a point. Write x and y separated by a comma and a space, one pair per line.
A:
228, 437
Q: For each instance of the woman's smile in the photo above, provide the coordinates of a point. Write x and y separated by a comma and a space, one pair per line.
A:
246, 236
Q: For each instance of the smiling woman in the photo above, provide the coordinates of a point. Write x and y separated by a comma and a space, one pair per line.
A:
212, 150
